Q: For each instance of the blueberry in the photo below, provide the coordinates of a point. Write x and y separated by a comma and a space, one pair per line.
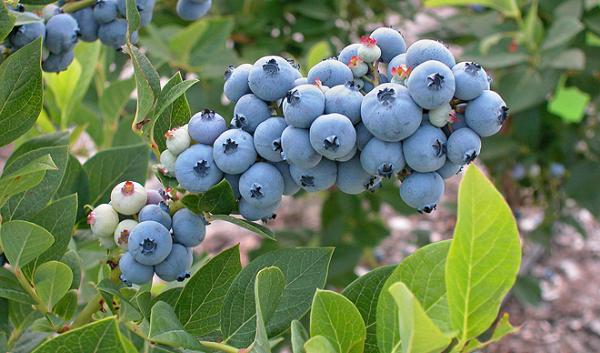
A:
463, 146
289, 185
150, 243
422, 191
146, 11
389, 112
449, 169
262, 185
155, 197
457, 120
22, 35
431, 84
369, 51
61, 33
128, 198
103, 220
300, 81
390, 41
113, 34
122, 232
155, 213
396, 62
105, 11
87, 24
426, 49
352, 178
330, 72
192, 10
302, 105
52, 10
177, 265
319, 178
236, 82
234, 151
271, 77
439, 116
382, 158
471, 80
557, 170
348, 156
234, 182
58, 62
204, 127
133, 272
486, 113
167, 160
344, 99
363, 136
358, 67
189, 228
348, 52
267, 139
177, 140
297, 148
249, 111
253, 213
332, 135
425, 150
196, 170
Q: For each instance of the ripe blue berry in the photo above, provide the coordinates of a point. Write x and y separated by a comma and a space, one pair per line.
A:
332, 135
204, 127
234, 182
289, 185
302, 105
471, 80
253, 213
271, 77
58, 62
363, 136
300, 81
22, 35
267, 139
262, 185
133, 272
189, 228
195, 169
192, 10
348, 52
87, 24
113, 34
297, 148
426, 49
319, 178
150, 243
382, 158
557, 170
449, 169
344, 99
177, 265
431, 84
352, 178
389, 112
61, 33
146, 9
486, 113
234, 151
155, 213
463, 146
236, 82
390, 41
425, 150
330, 72
105, 11
422, 191
128, 198
249, 111
396, 61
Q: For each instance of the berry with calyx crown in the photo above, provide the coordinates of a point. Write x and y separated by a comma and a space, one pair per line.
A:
128, 198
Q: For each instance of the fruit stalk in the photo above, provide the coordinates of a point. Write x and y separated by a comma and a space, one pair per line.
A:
77, 5
85, 315
220, 347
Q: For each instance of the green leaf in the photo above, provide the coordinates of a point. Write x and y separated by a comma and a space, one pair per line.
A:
63, 86
20, 91
114, 99
251, 226
584, 173
570, 59
7, 21
11, 289
534, 28
484, 256
132, 16
104, 173
66, 307
334, 317
418, 333
24, 178
23, 241
56, 139
166, 329
507, 7
31, 201
423, 274
503, 328
147, 83
305, 270
561, 32
299, 336
175, 115
319, 344
110, 289
364, 293
319, 51
200, 303
75, 181
569, 103
218, 200
101, 336
173, 89
52, 280
87, 55
268, 288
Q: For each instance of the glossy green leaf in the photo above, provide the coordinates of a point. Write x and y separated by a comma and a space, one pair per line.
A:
147, 83
174, 115
418, 334
11, 289
268, 288
319, 344
484, 256
334, 317
165, 328
7, 20
218, 200
534, 28
115, 97
507, 7
259, 229
298, 338
23, 241
305, 270
569, 103
318, 52
20, 91
24, 178
503, 328
67, 306
174, 89
561, 32
133, 17
52, 280
200, 303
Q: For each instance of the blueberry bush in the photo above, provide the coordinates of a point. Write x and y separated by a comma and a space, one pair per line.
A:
101, 99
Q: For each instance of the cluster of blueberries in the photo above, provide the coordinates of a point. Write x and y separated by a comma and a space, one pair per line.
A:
377, 110
138, 221
105, 20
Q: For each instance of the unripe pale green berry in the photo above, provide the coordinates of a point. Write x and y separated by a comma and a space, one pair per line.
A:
128, 198
121, 235
103, 220
167, 159
368, 50
439, 116
178, 140
358, 67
